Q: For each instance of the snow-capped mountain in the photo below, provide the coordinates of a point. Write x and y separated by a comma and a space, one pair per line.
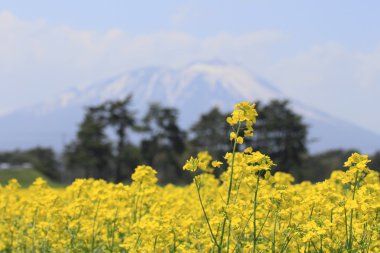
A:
193, 89
210, 84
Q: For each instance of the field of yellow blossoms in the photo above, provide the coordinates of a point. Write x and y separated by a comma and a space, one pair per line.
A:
247, 209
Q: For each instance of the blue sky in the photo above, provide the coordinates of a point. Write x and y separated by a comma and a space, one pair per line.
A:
323, 53
350, 22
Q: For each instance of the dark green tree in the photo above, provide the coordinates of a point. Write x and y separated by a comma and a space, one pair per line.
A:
44, 160
14, 157
91, 152
281, 134
375, 161
210, 133
118, 115
164, 142
318, 167
131, 157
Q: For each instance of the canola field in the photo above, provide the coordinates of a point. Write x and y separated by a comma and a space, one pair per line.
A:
247, 209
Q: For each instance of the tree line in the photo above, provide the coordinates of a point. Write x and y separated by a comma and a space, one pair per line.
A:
103, 147
111, 141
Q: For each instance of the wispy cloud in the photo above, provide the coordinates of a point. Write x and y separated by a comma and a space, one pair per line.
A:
38, 60
335, 79
59, 56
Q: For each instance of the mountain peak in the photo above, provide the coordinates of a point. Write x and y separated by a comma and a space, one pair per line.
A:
193, 89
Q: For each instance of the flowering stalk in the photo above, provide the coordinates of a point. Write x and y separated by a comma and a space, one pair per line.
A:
205, 214
352, 212
357, 166
230, 183
254, 213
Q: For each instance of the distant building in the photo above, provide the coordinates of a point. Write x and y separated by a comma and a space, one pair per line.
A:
9, 166
5, 166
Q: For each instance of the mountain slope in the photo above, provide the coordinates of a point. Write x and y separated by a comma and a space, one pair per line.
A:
193, 89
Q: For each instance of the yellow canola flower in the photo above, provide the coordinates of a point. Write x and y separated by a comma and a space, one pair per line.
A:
191, 164
216, 164
358, 162
257, 211
239, 140
233, 136
143, 215
204, 159
144, 173
244, 111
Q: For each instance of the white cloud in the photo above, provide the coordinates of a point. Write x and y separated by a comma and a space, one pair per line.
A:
41, 59
38, 60
334, 79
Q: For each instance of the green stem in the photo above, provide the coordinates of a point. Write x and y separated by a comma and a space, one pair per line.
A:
155, 244
93, 226
274, 234
346, 226
205, 215
34, 230
242, 232
331, 220
229, 187
137, 241
232, 165
262, 225
350, 242
254, 214
174, 241
113, 231
229, 234
287, 241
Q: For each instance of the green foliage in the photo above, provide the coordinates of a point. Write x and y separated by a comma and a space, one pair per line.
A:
89, 155
164, 142
281, 134
209, 133
131, 157
93, 154
319, 167
375, 161
117, 115
13, 157
42, 159
103, 149
120, 118
25, 177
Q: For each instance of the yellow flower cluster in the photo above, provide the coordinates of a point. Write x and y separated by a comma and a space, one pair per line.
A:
96, 216
246, 209
244, 112
202, 161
